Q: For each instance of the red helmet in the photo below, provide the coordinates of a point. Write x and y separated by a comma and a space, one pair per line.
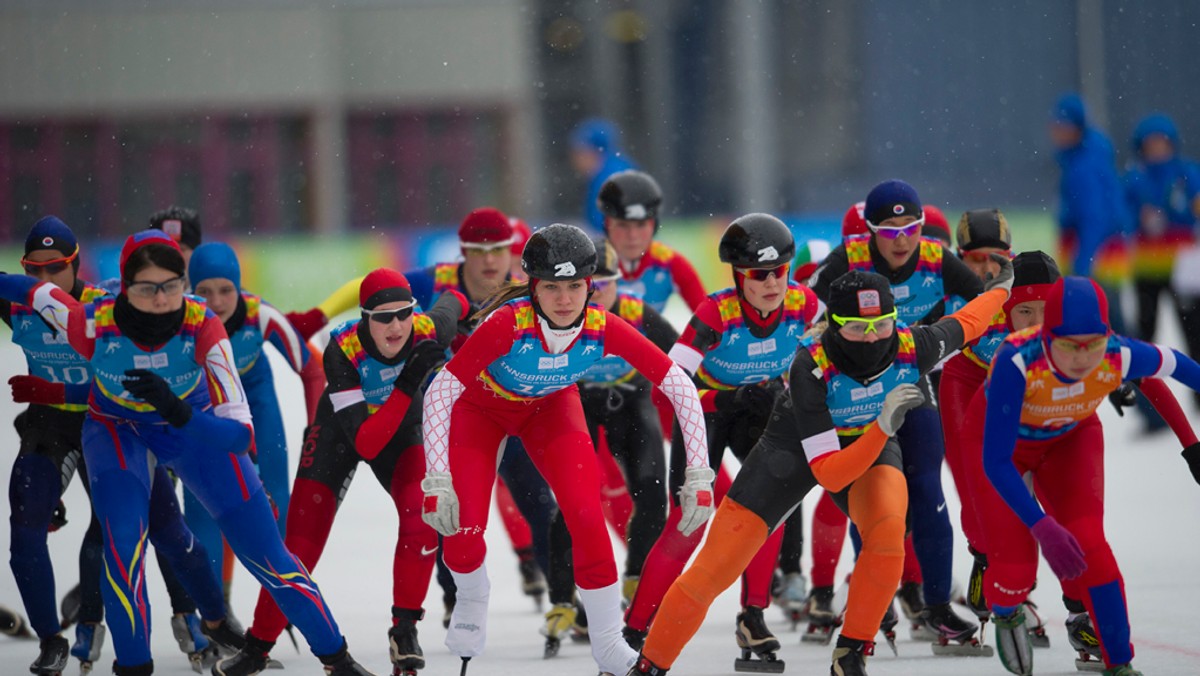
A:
521, 233
854, 222
935, 224
485, 226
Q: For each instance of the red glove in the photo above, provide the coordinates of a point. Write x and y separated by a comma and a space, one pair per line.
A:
35, 390
308, 322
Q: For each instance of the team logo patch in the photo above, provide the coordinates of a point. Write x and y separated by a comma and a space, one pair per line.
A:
635, 212
898, 209
768, 254
173, 228
868, 303
564, 269
47, 241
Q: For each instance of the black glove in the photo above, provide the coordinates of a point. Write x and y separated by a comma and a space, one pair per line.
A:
1123, 397
58, 518
759, 397
426, 356
152, 389
1192, 455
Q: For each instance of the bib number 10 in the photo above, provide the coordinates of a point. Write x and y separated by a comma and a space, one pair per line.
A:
69, 375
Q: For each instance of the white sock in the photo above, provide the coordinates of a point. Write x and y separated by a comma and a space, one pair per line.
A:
468, 623
609, 649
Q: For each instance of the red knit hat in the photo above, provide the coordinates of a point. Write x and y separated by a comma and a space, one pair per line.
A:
140, 239
383, 286
521, 234
485, 226
936, 225
853, 222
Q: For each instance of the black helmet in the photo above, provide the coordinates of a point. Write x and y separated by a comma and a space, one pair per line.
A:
606, 255
559, 253
630, 195
1034, 267
757, 241
181, 223
980, 228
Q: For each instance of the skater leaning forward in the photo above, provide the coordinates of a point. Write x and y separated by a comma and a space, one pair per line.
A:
739, 345
1038, 415
516, 376
851, 386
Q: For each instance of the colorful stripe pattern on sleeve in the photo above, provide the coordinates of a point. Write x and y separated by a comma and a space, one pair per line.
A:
740, 358
984, 348
529, 372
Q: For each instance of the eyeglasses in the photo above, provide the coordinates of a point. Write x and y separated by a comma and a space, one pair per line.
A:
486, 248
761, 274
602, 284
1073, 346
171, 287
52, 266
861, 326
889, 232
389, 316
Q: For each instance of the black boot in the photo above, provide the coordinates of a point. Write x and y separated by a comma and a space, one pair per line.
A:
140, 670
636, 638
342, 664
250, 660
52, 657
403, 646
225, 637
644, 667
850, 657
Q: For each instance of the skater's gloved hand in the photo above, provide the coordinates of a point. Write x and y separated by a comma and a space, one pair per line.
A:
1061, 549
695, 498
35, 390
58, 518
896, 404
756, 396
440, 508
1002, 279
1192, 455
426, 356
152, 389
308, 322
1123, 397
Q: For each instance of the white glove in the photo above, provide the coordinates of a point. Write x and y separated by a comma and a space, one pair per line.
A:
440, 507
898, 402
696, 498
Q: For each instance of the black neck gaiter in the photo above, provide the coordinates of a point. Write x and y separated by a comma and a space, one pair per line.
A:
145, 328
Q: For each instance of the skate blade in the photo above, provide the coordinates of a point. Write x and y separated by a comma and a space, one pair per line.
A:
819, 636
758, 666
963, 650
1092, 666
551, 649
274, 664
1039, 640
923, 633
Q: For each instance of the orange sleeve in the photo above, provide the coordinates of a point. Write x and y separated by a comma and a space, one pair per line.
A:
975, 316
835, 471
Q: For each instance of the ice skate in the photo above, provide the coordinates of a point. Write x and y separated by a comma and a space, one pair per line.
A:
975, 599
644, 667
850, 657
89, 641
52, 656
790, 595
1035, 626
533, 583
579, 630
1082, 637
912, 603
192, 641
822, 619
69, 607
403, 647
342, 664
955, 636
559, 622
888, 628
758, 645
13, 624
225, 637
1122, 670
1012, 640
251, 659
609, 649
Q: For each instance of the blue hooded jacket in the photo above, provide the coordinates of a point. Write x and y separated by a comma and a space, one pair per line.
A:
1091, 202
601, 136
1171, 185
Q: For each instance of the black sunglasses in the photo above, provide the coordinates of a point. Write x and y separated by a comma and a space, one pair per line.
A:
388, 316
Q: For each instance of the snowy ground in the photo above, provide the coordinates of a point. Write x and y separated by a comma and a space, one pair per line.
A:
1149, 490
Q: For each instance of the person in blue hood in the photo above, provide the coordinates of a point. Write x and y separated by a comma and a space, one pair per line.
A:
596, 154
1092, 215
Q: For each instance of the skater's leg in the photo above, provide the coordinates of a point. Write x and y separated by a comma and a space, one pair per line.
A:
961, 379
416, 542
185, 556
201, 524
531, 495
877, 501
269, 437
635, 439
828, 539
933, 539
